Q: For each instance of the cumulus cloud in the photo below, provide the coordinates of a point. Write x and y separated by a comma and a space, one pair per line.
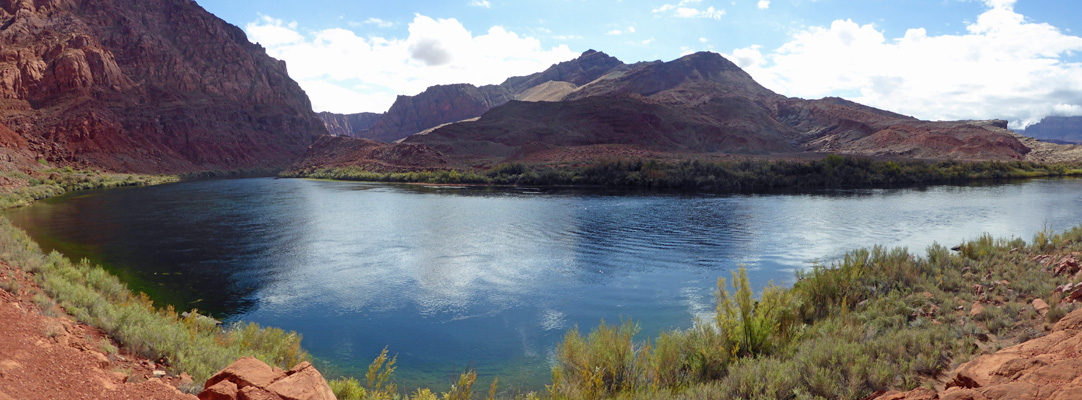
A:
344, 72
1004, 66
685, 9
764, 4
481, 3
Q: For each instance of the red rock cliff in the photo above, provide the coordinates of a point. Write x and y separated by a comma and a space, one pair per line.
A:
146, 86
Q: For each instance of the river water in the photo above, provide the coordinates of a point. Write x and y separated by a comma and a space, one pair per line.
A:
451, 278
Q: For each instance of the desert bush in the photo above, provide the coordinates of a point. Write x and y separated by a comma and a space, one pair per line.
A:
605, 362
347, 389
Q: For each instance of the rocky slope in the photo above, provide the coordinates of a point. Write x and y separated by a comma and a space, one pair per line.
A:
1048, 367
143, 85
47, 354
1066, 130
347, 124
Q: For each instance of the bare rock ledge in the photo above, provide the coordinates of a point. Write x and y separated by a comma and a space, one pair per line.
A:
249, 378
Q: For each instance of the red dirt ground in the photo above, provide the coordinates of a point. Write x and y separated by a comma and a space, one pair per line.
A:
54, 357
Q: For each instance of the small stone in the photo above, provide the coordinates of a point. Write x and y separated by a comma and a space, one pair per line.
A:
159, 373
185, 380
976, 309
120, 376
1041, 306
103, 361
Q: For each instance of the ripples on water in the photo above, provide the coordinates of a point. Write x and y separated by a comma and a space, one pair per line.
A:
453, 277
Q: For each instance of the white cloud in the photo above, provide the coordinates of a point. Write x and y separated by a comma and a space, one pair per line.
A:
1002, 67
481, 3
379, 22
683, 10
273, 32
630, 29
764, 4
1067, 110
344, 72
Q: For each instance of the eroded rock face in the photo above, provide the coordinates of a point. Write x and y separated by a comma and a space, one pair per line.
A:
1059, 129
348, 124
146, 86
435, 106
1049, 367
249, 378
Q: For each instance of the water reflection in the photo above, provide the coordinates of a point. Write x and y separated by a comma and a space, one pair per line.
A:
492, 278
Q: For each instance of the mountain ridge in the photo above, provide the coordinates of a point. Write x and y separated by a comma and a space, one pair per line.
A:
442, 104
699, 104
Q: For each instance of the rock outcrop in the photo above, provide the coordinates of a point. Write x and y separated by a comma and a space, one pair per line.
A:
145, 86
348, 124
1049, 367
249, 378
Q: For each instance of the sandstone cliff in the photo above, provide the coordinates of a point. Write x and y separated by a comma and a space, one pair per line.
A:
435, 106
144, 85
1057, 129
348, 124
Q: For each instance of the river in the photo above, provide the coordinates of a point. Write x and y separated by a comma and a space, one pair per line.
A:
451, 278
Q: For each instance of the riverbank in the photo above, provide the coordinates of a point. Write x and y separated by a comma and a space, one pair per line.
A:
87, 296
878, 320
831, 171
47, 354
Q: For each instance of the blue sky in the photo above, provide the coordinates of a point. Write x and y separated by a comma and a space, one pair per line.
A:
934, 59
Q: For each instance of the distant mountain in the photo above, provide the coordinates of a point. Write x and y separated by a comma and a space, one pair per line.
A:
348, 124
444, 104
1057, 130
703, 104
700, 104
143, 85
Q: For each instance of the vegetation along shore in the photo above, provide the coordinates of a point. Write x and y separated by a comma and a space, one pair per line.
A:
827, 172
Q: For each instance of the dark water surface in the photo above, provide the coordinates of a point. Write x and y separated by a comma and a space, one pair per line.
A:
451, 278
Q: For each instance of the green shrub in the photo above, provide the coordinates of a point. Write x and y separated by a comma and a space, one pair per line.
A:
347, 389
754, 327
